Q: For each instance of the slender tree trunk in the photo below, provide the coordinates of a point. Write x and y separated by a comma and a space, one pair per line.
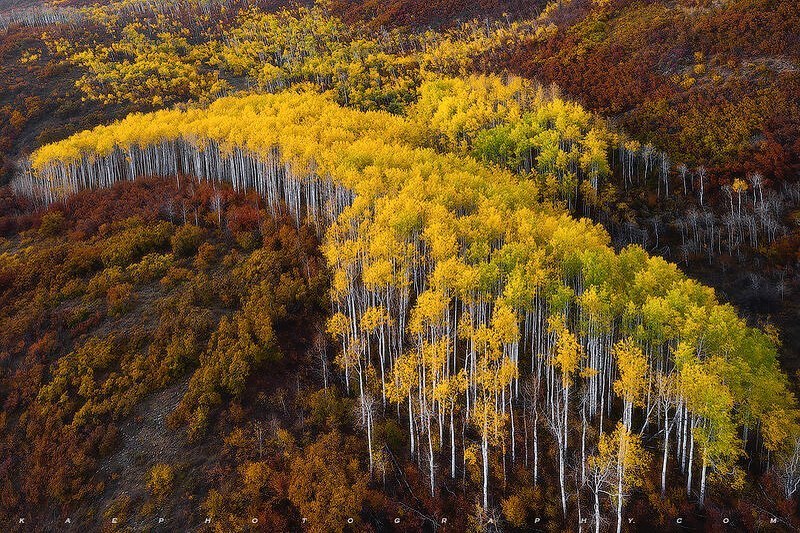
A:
369, 439
703, 482
452, 447
536, 451
430, 460
411, 424
664, 460
596, 510
583, 444
689, 466
485, 452
561, 479
619, 502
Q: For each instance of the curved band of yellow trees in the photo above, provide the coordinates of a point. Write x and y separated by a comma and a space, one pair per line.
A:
463, 296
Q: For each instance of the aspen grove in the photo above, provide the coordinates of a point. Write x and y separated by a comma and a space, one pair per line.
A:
467, 302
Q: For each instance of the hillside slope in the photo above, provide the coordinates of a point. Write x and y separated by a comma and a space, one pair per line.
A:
462, 291
140, 328
714, 83
314, 265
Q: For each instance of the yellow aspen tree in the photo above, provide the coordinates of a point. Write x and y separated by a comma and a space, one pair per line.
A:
632, 382
566, 359
616, 468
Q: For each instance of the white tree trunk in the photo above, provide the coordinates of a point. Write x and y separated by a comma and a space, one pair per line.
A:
596, 510
485, 452
703, 482
664, 461
452, 447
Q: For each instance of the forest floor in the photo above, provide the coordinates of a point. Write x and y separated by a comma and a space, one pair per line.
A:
145, 440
